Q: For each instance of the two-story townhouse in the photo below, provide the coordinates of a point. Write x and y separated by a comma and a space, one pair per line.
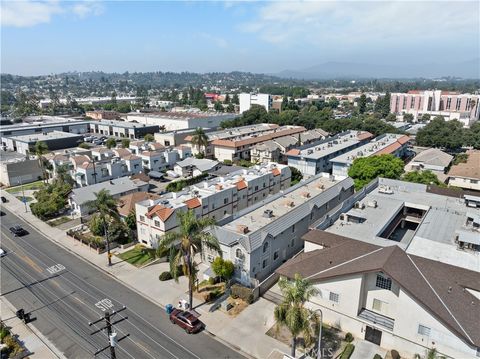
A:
389, 297
215, 198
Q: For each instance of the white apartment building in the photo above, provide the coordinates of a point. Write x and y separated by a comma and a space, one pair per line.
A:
393, 144
261, 99
262, 237
389, 297
215, 198
314, 158
171, 121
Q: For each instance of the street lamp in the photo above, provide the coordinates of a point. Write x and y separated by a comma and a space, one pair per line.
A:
319, 343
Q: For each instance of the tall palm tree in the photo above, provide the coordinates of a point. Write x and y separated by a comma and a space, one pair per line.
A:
200, 139
40, 149
106, 208
63, 175
292, 312
185, 243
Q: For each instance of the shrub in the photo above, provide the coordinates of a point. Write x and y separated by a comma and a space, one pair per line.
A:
377, 356
349, 337
244, 293
347, 352
227, 162
4, 332
165, 276
395, 354
211, 280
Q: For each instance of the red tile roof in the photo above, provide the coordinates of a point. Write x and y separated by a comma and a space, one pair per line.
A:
364, 135
241, 185
193, 203
293, 152
403, 139
161, 212
389, 149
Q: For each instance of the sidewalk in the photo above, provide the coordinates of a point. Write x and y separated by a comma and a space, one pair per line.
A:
246, 332
33, 340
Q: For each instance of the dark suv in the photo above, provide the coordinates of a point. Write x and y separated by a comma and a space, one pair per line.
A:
186, 320
18, 231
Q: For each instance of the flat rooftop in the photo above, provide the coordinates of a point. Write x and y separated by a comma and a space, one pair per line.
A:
122, 124
180, 115
382, 144
437, 229
328, 146
54, 135
11, 157
280, 204
239, 132
210, 186
42, 121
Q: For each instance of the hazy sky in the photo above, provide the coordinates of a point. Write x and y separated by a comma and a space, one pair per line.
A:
56, 36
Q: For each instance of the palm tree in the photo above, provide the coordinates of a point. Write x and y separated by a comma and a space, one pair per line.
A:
185, 243
106, 208
292, 312
200, 139
40, 149
63, 175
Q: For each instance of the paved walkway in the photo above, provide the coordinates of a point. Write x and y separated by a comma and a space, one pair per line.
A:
366, 350
33, 340
245, 332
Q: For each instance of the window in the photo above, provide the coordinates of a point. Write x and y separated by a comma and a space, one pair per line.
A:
225, 200
293, 229
265, 263
334, 297
265, 247
377, 305
210, 258
292, 242
157, 237
256, 188
384, 283
423, 330
205, 206
142, 218
239, 253
275, 255
157, 223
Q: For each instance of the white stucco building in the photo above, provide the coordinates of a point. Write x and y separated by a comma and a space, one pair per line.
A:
248, 99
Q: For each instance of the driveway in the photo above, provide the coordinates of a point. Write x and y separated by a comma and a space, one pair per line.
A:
366, 350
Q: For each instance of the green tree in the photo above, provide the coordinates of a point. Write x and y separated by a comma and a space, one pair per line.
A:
292, 312
111, 143
391, 117
105, 206
235, 99
185, 243
296, 176
442, 134
424, 177
230, 108
425, 118
223, 268
131, 220
200, 139
63, 174
365, 169
362, 103
408, 117
217, 106
125, 142
40, 149
148, 137
227, 98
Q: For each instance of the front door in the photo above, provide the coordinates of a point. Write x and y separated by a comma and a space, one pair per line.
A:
373, 335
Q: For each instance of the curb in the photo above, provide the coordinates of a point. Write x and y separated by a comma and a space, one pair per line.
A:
50, 346
145, 296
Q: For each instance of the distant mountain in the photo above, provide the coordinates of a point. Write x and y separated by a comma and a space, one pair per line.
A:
330, 70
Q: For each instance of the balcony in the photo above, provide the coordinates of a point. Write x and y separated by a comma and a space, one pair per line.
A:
376, 318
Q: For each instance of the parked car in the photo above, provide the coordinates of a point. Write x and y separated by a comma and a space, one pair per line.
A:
3, 252
186, 320
18, 231
4, 200
97, 142
88, 138
2, 213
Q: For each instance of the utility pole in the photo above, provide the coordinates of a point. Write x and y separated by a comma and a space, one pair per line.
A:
112, 336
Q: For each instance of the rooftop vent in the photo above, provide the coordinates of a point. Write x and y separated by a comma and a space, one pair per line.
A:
164, 202
372, 204
306, 194
242, 229
289, 203
268, 213
359, 205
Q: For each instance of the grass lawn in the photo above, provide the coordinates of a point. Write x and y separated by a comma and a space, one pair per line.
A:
58, 221
26, 187
136, 256
29, 199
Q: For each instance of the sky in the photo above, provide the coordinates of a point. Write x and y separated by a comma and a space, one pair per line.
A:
44, 37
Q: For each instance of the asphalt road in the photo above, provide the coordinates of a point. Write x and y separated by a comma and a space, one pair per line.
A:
63, 302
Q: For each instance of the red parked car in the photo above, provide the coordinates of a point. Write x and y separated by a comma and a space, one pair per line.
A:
186, 320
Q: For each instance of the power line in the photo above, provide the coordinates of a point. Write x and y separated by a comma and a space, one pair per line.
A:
112, 336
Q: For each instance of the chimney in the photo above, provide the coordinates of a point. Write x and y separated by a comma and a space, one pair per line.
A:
289, 203
242, 229
306, 194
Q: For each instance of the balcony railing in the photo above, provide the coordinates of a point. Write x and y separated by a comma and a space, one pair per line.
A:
376, 318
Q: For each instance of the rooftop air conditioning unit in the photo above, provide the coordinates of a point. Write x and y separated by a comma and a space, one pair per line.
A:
268, 213
372, 204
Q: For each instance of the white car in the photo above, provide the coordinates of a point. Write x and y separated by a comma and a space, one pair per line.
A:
2, 252
173, 174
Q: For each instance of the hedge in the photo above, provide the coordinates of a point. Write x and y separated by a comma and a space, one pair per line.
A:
181, 184
349, 337
377, 356
347, 352
244, 293
165, 276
